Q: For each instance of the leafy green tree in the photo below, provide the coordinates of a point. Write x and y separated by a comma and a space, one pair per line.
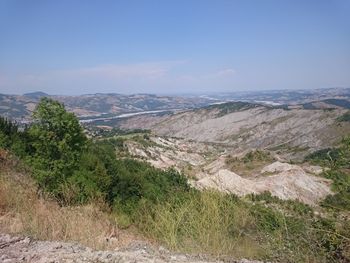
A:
57, 144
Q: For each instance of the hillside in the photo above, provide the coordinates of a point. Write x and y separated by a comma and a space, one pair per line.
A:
293, 132
281, 97
96, 105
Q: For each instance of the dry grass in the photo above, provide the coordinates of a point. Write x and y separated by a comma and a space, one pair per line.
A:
23, 212
226, 227
204, 223
250, 164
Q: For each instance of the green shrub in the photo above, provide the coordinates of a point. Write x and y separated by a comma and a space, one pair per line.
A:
339, 161
13, 139
345, 117
340, 200
90, 181
136, 181
257, 155
325, 157
268, 220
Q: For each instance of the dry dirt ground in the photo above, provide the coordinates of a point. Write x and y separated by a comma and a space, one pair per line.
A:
23, 249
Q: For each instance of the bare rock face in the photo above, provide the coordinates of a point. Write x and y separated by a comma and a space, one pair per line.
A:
17, 249
283, 180
280, 167
166, 153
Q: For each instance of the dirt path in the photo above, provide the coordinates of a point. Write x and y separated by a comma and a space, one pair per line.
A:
24, 249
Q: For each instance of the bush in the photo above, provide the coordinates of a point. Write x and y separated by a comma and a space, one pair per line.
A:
136, 182
325, 157
257, 155
339, 160
268, 220
13, 139
345, 117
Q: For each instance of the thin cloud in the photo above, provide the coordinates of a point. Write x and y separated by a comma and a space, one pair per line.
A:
116, 71
159, 76
225, 73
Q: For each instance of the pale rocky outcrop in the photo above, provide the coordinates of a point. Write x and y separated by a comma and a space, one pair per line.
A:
283, 180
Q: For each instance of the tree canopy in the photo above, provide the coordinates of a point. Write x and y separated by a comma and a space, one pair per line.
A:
57, 143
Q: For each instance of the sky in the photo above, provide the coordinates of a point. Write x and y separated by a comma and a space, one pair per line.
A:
173, 46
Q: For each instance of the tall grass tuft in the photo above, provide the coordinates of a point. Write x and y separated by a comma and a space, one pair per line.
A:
208, 223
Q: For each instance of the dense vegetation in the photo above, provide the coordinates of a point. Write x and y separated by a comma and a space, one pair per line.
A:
338, 159
339, 102
76, 170
229, 107
345, 117
99, 132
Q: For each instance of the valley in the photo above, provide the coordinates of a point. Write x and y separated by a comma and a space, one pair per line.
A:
247, 174
175, 131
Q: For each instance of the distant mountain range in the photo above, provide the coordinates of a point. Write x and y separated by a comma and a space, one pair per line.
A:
97, 105
36, 95
20, 107
288, 97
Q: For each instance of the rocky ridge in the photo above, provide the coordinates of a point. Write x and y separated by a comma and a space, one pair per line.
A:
284, 180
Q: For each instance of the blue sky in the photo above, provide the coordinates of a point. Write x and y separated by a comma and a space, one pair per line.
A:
168, 46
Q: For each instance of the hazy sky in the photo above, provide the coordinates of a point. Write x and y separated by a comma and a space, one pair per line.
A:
170, 46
